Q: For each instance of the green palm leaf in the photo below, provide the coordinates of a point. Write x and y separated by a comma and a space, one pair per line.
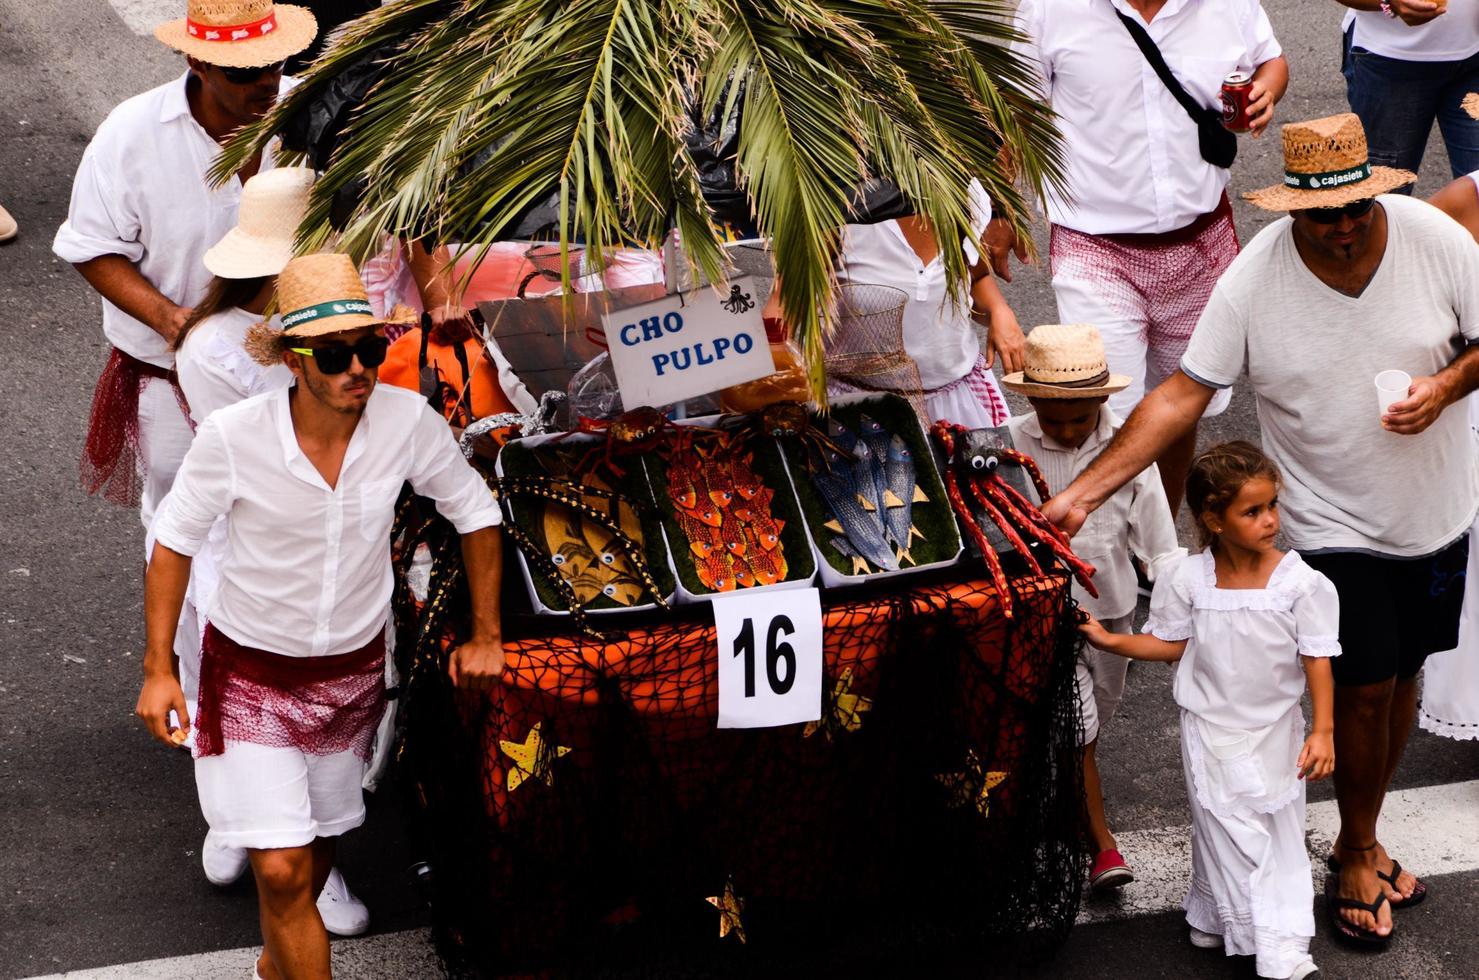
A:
488, 107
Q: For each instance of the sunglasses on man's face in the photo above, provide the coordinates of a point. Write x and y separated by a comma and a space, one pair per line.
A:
1329, 216
246, 76
335, 358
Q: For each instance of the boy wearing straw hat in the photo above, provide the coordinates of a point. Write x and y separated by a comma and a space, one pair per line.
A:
292, 667
142, 214
1066, 378
1356, 281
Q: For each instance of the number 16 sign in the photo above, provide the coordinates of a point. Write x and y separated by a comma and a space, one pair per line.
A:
770, 658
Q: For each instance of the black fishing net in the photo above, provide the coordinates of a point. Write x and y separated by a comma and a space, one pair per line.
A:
581, 817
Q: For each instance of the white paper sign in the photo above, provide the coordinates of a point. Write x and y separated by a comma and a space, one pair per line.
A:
770, 658
687, 345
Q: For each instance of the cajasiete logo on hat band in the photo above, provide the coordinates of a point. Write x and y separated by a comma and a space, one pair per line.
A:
231, 32
1330, 178
337, 307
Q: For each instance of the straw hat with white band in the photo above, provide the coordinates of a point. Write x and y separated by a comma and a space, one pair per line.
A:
1065, 360
1325, 166
240, 33
272, 206
1471, 105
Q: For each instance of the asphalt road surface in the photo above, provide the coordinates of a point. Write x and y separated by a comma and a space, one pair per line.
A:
101, 833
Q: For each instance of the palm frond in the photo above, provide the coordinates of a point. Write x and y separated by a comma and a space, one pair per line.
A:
484, 110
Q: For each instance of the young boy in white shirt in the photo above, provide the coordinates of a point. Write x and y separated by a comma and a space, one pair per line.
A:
1066, 378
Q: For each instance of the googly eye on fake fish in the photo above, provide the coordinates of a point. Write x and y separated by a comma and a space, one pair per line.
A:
607, 558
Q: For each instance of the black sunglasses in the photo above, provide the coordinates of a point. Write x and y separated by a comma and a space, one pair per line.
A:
1329, 216
246, 76
335, 358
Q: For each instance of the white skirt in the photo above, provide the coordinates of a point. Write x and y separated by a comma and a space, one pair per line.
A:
974, 400
1450, 702
1250, 874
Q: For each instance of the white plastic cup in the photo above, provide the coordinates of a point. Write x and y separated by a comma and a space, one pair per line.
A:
1391, 387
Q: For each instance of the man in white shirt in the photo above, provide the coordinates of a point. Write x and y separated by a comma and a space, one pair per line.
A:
1145, 227
292, 669
1350, 285
1407, 63
142, 215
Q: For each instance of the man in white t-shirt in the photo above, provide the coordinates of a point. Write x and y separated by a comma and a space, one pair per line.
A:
1406, 64
1144, 228
143, 214
1317, 305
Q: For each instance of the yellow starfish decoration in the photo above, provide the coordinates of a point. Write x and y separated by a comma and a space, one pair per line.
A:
729, 907
847, 709
973, 786
532, 758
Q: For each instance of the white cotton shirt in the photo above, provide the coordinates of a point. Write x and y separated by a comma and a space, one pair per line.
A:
1312, 355
1132, 155
1137, 518
141, 192
1241, 666
1453, 36
307, 571
215, 370
938, 334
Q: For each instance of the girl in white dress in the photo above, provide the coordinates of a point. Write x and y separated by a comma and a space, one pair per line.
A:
1241, 619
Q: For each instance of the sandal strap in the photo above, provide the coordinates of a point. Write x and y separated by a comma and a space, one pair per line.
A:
1355, 903
1392, 876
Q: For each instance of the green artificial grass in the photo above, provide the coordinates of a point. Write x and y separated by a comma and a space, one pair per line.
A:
800, 564
521, 460
934, 519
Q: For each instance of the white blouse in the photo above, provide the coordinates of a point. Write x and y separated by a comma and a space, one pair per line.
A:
215, 370
938, 334
1239, 682
1241, 667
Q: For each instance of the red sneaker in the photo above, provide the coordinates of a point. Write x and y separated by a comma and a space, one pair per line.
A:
1109, 872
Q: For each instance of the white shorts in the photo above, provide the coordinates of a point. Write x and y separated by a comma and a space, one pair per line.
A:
261, 796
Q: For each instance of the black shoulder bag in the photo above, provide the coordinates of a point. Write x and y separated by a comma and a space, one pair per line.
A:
1219, 147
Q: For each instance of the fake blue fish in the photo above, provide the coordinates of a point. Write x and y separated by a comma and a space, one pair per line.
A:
903, 492
862, 529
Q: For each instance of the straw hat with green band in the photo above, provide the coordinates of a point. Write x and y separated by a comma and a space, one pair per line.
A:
1325, 166
322, 294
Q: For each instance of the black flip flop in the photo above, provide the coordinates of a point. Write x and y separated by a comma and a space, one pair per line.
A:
1419, 891
1349, 931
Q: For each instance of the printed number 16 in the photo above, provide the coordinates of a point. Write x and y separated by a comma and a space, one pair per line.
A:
775, 652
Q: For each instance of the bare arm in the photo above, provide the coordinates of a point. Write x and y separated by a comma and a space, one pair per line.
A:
1162, 417
1135, 646
1428, 397
164, 595
477, 664
1411, 12
1460, 201
1270, 82
434, 272
1317, 758
1003, 333
119, 282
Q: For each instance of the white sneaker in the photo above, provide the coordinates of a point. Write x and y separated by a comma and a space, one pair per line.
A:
1205, 940
224, 865
343, 914
1305, 969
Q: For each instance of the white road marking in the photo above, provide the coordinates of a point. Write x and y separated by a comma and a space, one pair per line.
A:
142, 16
407, 954
1430, 829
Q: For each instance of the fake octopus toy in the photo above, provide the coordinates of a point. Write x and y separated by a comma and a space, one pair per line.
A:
975, 465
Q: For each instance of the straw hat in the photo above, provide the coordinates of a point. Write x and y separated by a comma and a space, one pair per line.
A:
323, 294
1325, 166
1471, 105
1065, 360
240, 33
272, 206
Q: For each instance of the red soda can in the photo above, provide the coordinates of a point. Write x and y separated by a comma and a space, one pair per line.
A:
1236, 88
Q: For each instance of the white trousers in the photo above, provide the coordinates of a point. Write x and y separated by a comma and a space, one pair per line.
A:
164, 436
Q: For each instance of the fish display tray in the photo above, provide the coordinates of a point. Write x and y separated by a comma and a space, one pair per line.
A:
770, 466
934, 519
521, 458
